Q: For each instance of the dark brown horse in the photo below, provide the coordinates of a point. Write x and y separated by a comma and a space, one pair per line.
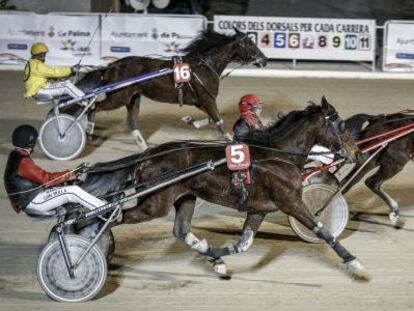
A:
276, 175
208, 56
389, 161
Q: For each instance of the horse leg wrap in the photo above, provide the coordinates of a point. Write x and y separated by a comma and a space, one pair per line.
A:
90, 127
222, 129
219, 266
221, 251
324, 234
246, 240
194, 243
139, 139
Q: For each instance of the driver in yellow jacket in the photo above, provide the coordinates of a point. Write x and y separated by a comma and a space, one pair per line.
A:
40, 79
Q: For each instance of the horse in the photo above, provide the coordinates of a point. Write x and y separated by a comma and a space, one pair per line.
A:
208, 55
279, 154
389, 161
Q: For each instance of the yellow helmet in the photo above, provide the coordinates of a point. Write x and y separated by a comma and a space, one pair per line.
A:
39, 48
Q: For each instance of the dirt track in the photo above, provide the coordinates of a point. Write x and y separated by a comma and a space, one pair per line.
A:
153, 271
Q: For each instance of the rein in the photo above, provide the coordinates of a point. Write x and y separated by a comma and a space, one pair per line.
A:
385, 122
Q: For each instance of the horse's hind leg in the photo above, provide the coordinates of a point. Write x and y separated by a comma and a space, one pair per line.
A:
132, 121
91, 123
386, 171
250, 227
184, 210
299, 210
364, 171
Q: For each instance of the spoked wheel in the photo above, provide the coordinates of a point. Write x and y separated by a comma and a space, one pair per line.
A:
324, 178
106, 242
62, 138
89, 276
334, 217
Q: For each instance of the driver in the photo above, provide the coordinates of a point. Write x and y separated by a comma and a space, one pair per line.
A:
250, 107
29, 186
40, 78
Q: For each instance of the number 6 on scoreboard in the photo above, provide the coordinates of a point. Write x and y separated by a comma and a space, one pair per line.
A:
182, 73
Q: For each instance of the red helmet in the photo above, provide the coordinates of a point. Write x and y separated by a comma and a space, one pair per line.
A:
249, 102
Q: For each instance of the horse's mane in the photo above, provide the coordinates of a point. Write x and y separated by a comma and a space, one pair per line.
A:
206, 40
283, 127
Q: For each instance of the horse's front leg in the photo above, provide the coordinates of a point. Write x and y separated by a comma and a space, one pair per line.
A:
132, 121
293, 205
210, 107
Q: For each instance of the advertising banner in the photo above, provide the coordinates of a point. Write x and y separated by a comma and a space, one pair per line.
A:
306, 38
146, 35
398, 46
70, 38
17, 33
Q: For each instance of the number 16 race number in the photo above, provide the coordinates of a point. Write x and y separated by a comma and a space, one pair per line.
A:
182, 73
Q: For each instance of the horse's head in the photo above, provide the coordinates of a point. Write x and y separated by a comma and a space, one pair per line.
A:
333, 133
247, 51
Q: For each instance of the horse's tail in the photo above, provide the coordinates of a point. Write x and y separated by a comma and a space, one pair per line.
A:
357, 123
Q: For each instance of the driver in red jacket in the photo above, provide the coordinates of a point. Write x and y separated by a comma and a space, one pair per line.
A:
250, 107
29, 186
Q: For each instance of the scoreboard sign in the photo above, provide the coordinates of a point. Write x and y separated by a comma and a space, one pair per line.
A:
306, 38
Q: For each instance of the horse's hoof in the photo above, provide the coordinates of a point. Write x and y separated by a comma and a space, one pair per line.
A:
200, 246
227, 136
357, 270
396, 220
220, 268
189, 120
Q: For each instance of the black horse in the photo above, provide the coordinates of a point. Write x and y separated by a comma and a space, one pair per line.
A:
389, 161
276, 174
208, 55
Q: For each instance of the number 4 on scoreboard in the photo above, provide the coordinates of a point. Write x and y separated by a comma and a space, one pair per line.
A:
265, 40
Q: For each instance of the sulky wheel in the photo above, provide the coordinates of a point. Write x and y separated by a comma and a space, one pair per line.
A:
106, 242
62, 138
326, 177
334, 217
89, 276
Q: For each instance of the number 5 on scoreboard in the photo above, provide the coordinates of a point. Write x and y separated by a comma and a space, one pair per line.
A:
182, 73
280, 40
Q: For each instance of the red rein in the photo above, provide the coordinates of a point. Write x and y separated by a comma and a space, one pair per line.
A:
402, 131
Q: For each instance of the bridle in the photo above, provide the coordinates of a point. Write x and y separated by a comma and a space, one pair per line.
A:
243, 45
246, 57
337, 124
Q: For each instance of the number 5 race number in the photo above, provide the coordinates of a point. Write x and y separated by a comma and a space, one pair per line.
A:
238, 157
182, 73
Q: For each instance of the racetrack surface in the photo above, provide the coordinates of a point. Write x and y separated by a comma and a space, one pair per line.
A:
151, 270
